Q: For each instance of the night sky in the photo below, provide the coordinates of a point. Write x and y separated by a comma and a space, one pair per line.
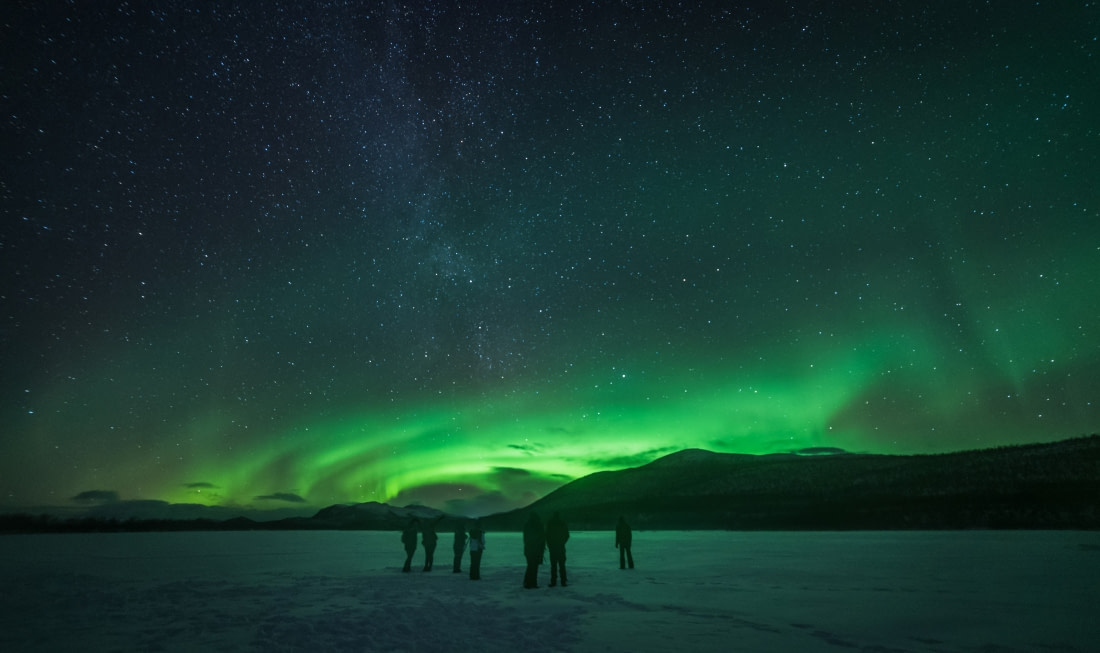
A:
289, 254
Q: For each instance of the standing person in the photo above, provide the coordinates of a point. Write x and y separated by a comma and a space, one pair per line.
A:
534, 545
477, 547
430, 539
459, 546
557, 534
623, 537
408, 538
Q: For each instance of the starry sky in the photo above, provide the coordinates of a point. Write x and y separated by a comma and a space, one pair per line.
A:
281, 255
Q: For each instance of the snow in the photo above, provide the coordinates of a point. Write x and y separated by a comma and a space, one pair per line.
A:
987, 591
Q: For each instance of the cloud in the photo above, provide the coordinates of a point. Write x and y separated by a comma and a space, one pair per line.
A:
528, 447
435, 494
199, 486
464, 499
512, 472
502, 489
486, 503
288, 497
511, 479
96, 496
632, 460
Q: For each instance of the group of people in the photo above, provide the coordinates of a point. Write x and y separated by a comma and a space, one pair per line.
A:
537, 540
475, 540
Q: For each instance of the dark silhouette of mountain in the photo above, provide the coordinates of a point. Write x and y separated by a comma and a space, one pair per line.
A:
1039, 486
370, 516
359, 516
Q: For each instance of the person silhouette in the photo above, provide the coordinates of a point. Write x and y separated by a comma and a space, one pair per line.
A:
557, 534
534, 545
408, 538
430, 539
459, 546
623, 539
477, 547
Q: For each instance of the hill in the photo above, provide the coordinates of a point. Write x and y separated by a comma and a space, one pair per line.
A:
1041, 486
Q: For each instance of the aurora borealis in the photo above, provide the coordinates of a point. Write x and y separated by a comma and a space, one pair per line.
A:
291, 254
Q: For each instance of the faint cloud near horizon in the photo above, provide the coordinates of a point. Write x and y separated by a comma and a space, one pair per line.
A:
288, 497
501, 490
632, 460
96, 496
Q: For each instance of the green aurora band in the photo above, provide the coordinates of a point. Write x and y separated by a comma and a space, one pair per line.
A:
462, 262
515, 444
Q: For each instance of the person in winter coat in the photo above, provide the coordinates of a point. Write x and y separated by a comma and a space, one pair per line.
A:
459, 546
477, 547
430, 539
534, 546
557, 534
408, 538
623, 537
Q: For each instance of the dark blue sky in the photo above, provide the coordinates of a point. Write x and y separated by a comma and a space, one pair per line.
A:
271, 254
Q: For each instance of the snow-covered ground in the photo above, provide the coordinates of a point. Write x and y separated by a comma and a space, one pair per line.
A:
691, 591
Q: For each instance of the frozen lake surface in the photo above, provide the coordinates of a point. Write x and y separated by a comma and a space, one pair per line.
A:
974, 591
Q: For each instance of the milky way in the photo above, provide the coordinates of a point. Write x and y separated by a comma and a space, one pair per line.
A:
285, 255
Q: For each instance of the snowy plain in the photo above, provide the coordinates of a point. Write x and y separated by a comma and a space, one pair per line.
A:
988, 591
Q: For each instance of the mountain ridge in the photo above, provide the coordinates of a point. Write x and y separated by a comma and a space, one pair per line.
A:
1034, 486
1051, 485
